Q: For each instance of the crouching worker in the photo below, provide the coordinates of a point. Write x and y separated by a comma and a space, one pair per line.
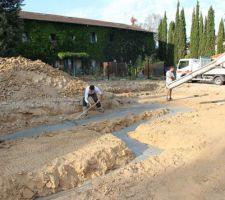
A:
93, 92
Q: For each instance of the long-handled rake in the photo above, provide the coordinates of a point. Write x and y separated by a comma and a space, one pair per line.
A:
84, 112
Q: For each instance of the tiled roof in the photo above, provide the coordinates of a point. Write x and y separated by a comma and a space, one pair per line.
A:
75, 20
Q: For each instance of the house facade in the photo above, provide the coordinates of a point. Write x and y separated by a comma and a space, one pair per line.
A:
45, 36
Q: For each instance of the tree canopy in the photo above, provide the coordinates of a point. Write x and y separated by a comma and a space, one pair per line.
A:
10, 26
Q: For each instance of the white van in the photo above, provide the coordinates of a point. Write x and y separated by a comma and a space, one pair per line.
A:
186, 66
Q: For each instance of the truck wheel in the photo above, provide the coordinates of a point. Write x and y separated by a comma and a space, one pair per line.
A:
218, 80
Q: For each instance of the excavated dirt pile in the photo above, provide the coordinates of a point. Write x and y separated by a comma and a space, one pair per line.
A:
33, 93
23, 79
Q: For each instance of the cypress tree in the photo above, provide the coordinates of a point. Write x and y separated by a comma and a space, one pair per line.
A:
192, 37
205, 37
182, 36
176, 33
194, 40
10, 26
197, 28
210, 44
160, 42
220, 38
164, 38
201, 37
170, 54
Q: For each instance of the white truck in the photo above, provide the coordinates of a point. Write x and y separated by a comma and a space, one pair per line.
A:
187, 66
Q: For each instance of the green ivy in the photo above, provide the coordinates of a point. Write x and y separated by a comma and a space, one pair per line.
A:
63, 55
125, 46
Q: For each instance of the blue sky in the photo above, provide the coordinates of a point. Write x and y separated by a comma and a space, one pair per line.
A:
122, 10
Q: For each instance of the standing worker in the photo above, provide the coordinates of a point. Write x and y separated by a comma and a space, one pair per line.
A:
169, 79
92, 91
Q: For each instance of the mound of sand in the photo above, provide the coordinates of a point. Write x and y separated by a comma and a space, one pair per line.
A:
24, 79
20, 63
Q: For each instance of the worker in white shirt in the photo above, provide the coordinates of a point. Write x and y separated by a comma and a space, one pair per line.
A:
93, 92
169, 79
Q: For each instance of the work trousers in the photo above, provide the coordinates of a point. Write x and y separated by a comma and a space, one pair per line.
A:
95, 98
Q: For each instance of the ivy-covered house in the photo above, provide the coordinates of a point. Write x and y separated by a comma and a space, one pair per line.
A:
76, 42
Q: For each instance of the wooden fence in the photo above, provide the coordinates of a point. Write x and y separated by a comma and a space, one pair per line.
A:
156, 69
115, 69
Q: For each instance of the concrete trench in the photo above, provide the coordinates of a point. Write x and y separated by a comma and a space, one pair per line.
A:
135, 109
140, 150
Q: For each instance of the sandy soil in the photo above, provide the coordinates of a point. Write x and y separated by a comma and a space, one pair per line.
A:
26, 178
33, 93
134, 86
64, 159
191, 166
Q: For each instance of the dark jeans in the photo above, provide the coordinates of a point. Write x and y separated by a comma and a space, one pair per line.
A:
95, 98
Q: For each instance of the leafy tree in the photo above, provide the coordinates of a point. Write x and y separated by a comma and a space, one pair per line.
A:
151, 22
170, 55
210, 43
220, 38
3, 32
10, 26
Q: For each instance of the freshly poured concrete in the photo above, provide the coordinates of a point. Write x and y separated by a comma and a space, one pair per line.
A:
69, 124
